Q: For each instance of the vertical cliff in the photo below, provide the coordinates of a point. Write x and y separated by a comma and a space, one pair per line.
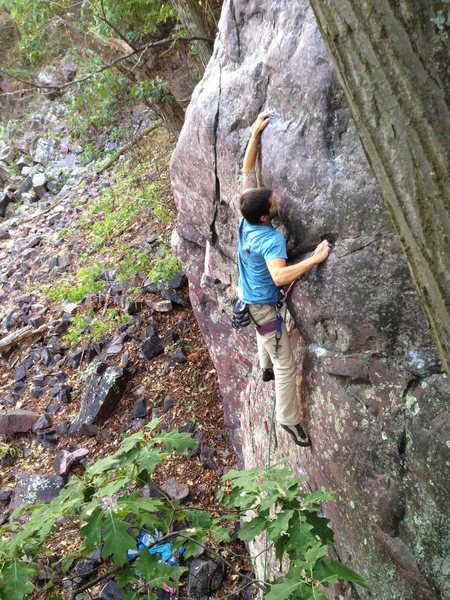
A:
373, 394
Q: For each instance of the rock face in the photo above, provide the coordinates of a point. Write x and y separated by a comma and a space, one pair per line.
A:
373, 394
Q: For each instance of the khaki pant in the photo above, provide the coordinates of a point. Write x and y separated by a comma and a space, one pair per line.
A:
283, 365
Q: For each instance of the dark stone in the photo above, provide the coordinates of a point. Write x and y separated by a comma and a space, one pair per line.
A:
174, 298
20, 373
48, 439
75, 357
63, 395
60, 327
111, 591
53, 407
140, 409
39, 380
133, 308
170, 338
5, 495
152, 490
210, 464
168, 403
62, 428
205, 577
37, 321
125, 360
45, 356
83, 567
114, 347
43, 422
32, 489
152, 347
188, 428
177, 282
177, 357
103, 390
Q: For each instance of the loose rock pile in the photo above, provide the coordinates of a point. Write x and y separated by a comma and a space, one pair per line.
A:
53, 420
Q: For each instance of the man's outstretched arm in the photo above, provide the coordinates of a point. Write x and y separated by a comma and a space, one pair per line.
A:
248, 167
283, 275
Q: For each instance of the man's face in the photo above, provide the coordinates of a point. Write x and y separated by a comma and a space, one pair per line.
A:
273, 212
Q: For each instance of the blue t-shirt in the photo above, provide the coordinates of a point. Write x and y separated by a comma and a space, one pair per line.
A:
257, 245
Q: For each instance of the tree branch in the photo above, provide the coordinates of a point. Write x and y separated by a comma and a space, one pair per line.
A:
128, 145
101, 69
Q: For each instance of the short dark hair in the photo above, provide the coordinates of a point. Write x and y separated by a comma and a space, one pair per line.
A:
255, 204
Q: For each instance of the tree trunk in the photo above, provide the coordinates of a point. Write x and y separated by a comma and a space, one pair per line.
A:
136, 68
191, 15
393, 75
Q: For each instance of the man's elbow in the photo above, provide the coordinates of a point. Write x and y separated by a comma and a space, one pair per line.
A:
278, 279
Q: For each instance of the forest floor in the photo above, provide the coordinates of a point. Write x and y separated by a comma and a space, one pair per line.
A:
184, 394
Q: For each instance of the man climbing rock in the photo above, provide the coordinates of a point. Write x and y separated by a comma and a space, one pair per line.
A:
262, 270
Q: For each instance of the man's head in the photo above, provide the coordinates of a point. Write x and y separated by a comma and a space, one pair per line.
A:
258, 206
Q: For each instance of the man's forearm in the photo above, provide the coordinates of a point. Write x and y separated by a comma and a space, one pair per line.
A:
286, 275
251, 153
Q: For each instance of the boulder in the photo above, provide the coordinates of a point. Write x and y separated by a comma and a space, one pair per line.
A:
5, 173
45, 150
369, 381
175, 489
17, 420
64, 460
152, 347
103, 388
205, 577
32, 488
39, 182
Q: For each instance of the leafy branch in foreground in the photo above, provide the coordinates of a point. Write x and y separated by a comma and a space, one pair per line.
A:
292, 524
104, 509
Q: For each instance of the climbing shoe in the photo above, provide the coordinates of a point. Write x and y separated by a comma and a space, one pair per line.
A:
297, 434
267, 375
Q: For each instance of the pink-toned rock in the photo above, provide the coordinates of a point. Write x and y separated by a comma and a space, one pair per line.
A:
17, 420
64, 460
175, 489
370, 386
161, 306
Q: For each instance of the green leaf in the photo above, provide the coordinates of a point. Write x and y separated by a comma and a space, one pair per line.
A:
280, 546
250, 529
283, 589
280, 525
136, 504
315, 552
92, 529
329, 571
147, 458
221, 533
301, 537
320, 527
315, 499
158, 573
116, 539
15, 580
174, 440
125, 575
198, 518
269, 501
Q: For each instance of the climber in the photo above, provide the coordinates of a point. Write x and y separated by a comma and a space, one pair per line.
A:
262, 270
